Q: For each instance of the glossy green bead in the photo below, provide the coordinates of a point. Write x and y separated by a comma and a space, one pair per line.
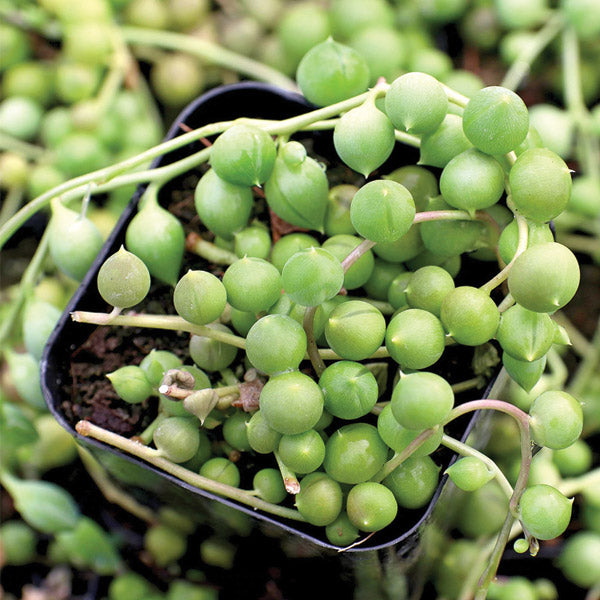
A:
472, 181
383, 274
342, 532
74, 241
469, 315
382, 211
320, 498
355, 329
413, 483
156, 363
223, 207
276, 343
261, 436
428, 287
495, 120
439, 147
354, 453
243, 155
131, 384
341, 246
123, 279
419, 181
540, 184
252, 284
525, 373
524, 334
291, 403
416, 102
483, 511
199, 297
538, 233
24, 370
398, 437
38, 321
544, 278
222, 470
302, 452
415, 339
157, 237
269, 485
555, 419
545, 511
252, 241
349, 17
575, 460
422, 400
469, 473
371, 506
312, 275
297, 190
177, 438
331, 72
349, 389
337, 216
235, 431
210, 354
409, 246
364, 138
242, 320
286, 246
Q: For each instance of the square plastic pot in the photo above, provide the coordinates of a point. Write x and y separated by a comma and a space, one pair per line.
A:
145, 482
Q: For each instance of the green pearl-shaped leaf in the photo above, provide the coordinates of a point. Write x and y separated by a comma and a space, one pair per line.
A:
74, 241
223, 207
331, 72
544, 278
524, 334
156, 236
123, 279
25, 376
39, 319
444, 143
364, 138
495, 120
243, 155
298, 193
416, 102
469, 473
525, 373
89, 546
131, 383
382, 210
312, 276
200, 297
44, 505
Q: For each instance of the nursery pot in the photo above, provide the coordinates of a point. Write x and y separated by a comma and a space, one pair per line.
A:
148, 484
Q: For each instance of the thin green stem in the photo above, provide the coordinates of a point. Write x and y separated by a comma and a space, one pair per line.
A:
24, 149
466, 450
355, 254
32, 272
502, 276
311, 343
588, 145
195, 244
209, 52
150, 455
442, 215
587, 367
11, 203
530, 51
455, 97
168, 322
290, 481
407, 138
400, 457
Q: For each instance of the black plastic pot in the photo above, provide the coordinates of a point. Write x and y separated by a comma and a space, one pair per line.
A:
147, 483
